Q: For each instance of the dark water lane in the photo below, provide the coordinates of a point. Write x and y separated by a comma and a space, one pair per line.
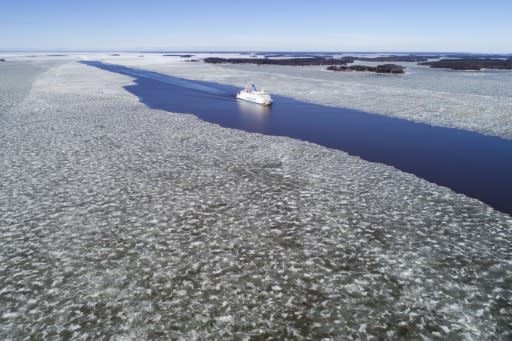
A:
476, 165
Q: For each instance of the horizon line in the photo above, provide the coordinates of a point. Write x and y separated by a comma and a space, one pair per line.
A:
148, 50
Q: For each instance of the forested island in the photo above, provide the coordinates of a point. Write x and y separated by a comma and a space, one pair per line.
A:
340, 64
474, 64
384, 68
308, 61
285, 61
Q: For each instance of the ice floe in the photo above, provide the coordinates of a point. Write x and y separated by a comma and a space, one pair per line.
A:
122, 222
478, 101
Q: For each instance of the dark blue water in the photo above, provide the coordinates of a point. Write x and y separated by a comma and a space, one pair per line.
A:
476, 165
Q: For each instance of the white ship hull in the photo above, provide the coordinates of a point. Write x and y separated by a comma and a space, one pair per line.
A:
258, 97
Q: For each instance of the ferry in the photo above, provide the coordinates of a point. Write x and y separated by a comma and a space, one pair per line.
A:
251, 94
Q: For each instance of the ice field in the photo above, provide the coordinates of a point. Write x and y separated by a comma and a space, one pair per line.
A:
478, 101
122, 222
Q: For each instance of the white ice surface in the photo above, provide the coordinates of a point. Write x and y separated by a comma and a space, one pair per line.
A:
118, 221
479, 101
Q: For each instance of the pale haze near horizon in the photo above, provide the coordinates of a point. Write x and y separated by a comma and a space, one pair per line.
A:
455, 26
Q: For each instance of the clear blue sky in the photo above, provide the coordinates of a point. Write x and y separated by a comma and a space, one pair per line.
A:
312, 25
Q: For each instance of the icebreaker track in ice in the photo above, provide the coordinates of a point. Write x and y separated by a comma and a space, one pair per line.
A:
470, 163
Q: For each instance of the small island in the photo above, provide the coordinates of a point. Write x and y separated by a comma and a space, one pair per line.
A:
472, 64
2, 60
384, 68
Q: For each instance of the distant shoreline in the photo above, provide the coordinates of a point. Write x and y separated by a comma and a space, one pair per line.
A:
384, 68
339, 64
459, 61
310, 61
471, 64
452, 54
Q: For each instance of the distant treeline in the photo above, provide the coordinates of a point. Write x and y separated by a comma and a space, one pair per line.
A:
471, 64
307, 61
461, 63
298, 55
178, 55
288, 61
385, 68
